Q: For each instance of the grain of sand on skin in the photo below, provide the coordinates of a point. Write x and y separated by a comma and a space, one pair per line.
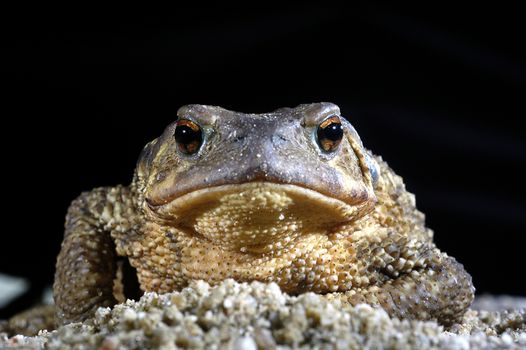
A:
250, 316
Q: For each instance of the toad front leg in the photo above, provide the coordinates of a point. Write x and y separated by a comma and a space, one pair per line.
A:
87, 264
409, 278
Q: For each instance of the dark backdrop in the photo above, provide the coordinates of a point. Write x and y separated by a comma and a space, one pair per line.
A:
438, 92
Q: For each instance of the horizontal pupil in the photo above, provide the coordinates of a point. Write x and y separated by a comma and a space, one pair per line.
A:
333, 132
185, 135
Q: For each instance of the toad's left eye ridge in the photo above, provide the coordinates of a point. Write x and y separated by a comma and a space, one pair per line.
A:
330, 133
188, 136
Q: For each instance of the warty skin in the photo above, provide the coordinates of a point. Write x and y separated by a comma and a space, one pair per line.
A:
259, 200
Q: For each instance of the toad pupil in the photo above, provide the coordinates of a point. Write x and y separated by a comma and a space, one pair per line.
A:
185, 135
333, 132
188, 136
330, 133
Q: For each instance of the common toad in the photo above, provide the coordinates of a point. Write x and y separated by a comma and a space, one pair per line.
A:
290, 196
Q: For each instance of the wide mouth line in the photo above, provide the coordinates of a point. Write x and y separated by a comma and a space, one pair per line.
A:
231, 187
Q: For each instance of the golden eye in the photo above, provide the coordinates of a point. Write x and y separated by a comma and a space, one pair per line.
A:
330, 133
188, 136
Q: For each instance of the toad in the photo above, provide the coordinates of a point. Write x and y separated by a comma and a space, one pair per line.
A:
291, 197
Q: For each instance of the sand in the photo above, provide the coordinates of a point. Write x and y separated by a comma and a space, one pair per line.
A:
259, 316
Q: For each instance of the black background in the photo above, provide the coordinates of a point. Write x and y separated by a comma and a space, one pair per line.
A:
437, 91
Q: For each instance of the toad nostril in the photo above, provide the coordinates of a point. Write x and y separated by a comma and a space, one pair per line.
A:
278, 139
238, 139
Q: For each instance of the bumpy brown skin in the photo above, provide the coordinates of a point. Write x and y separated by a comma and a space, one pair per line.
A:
260, 201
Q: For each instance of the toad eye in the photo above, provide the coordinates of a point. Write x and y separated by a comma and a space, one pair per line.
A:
188, 136
330, 133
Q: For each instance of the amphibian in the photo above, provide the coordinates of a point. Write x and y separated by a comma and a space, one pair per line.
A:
290, 196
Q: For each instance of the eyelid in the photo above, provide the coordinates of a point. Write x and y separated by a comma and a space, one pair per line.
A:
316, 120
189, 123
330, 120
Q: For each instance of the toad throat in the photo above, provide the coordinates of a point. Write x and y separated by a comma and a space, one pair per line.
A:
254, 217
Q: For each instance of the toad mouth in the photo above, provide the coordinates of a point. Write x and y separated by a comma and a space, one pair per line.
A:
262, 195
